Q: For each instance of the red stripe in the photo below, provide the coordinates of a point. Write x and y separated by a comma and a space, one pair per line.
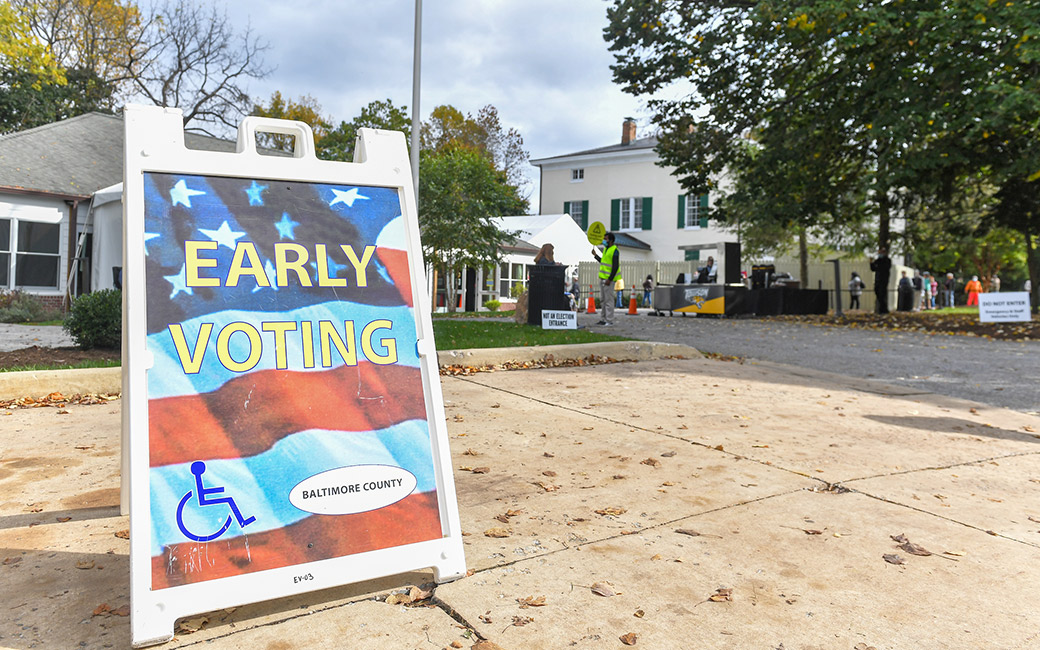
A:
396, 263
413, 519
250, 413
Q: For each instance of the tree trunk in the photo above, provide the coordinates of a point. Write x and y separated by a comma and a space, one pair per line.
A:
1033, 265
884, 219
803, 259
433, 299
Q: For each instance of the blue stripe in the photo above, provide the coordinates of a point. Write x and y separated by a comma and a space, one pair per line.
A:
260, 484
168, 379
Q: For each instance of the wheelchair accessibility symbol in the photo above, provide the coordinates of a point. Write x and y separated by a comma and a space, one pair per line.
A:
198, 468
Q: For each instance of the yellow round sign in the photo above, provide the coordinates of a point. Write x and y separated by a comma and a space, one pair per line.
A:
596, 232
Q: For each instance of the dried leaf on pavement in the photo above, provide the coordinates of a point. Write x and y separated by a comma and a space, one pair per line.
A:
103, 608
548, 487
480, 470
914, 549
892, 558
603, 589
497, 532
639, 613
612, 511
123, 534
652, 462
520, 621
121, 611
485, 618
668, 454
812, 531
485, 645
192, 625
628, 639
531, 601
85, 564
694, 533
721, 595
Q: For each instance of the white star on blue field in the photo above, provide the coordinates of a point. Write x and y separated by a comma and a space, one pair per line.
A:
254, 191
180, 193
286, 227
224, 235
272, 277
180, 282
347, 197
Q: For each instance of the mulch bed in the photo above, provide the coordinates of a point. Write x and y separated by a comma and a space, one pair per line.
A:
938, 323
53, 356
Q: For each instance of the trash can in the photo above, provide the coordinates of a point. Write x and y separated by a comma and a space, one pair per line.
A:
545, 291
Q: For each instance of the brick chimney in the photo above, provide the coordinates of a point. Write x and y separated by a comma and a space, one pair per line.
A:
628, 131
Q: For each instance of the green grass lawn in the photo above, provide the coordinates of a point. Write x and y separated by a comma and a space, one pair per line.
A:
473, 314
461, 334
45, 322
90, 363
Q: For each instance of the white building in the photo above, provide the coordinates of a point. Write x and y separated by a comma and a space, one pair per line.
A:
622, 186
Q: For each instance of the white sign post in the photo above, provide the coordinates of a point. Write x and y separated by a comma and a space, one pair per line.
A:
559, 320
282, 403
1007, 307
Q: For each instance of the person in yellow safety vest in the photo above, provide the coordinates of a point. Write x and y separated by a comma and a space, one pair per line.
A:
608, 273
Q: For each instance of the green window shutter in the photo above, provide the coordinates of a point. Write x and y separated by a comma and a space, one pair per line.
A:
566, 207
704, 210
682, 211
615, 215
692, 256
584, 215
648, 213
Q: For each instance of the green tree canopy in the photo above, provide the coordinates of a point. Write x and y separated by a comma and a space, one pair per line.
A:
338, 143
306, 109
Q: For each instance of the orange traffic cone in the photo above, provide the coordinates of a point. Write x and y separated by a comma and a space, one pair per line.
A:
632, 303
592, 302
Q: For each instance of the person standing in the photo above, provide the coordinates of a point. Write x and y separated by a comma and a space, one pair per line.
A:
608, 273
994, 284
882, 268
619, 291
648, 288
926, 290
856, 288
973, 289
948, 286
906, 294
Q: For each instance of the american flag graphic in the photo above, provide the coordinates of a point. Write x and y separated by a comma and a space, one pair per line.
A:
302, 359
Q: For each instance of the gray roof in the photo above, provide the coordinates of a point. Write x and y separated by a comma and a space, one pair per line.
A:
77, 156
628, 241
641, 143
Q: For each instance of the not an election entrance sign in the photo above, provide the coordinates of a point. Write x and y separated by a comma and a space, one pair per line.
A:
559, 320
1008, 307
284, 412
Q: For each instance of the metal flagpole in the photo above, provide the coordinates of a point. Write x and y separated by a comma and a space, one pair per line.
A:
416, 65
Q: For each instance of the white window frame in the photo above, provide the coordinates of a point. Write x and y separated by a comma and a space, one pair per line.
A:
630, 215
576, 217
578, 175
510, 279
13, 254
693, 212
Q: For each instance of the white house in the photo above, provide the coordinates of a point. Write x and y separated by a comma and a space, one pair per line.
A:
622, 186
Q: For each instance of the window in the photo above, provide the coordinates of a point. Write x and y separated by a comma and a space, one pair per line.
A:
693, 211
5, 252
37, 258
510, 275
577, 175
579, 211
632, 214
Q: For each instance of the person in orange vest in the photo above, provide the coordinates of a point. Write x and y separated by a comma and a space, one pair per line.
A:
973, 289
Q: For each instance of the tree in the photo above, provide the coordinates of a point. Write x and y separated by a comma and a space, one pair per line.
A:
22, 52
192, 58
26, 102
913, 89
447, 128
306, 110
339, 143
462, 193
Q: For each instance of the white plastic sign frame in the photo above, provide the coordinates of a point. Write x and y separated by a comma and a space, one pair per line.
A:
155, 154
1006, 307
559, 320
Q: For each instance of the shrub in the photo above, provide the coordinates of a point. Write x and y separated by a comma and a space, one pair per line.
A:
20, 307
492, 305
96, 320
517, 290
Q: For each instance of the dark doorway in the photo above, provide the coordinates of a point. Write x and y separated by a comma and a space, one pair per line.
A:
471, 289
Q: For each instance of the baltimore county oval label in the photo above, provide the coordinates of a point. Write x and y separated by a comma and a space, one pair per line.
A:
353, 489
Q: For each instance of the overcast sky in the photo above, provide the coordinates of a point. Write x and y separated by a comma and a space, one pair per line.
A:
542, 63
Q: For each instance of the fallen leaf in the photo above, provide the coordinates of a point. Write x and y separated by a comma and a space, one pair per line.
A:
892, 558
613, 511
485, 617
718, 448
497, 532
549, 473
548, 455
656, 556
520, 621
85, 564
103, 608
628, 639
722, 594
84, 447
481, 470
618, 477
123, 534
456, 644
470, 452
1026, 427
760, 446
192, 625
914, 549
121, 611
513, 513
531, 601
668, 454
668, 484
955, 553
603, 589
459, 418
973, 411
63, 519
548, 487
812, 531
899, 539
639, 613
503, 518
8, 561
652, 462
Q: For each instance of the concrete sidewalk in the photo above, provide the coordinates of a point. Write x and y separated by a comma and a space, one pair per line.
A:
723, 505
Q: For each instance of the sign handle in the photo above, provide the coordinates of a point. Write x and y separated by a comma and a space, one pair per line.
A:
303, 137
